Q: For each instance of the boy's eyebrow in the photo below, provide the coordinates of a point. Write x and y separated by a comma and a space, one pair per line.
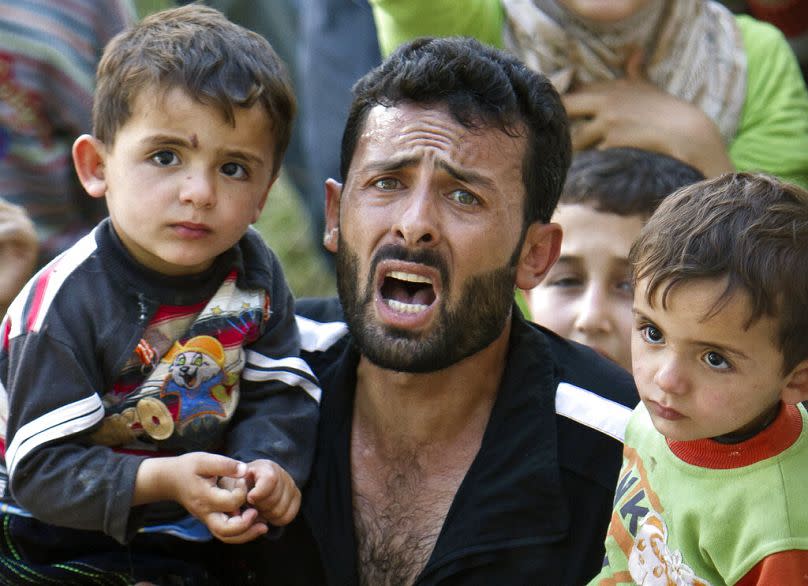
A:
569, 258
174, 140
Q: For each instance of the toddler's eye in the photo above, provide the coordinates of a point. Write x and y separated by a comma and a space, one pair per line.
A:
234, 170
715, 360
651, 334
165, 158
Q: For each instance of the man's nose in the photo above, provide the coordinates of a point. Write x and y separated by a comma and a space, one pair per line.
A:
417, 222
198, 188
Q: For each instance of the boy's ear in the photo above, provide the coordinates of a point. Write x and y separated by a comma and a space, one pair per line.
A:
88, 158
333, 194
796, 387
539, 253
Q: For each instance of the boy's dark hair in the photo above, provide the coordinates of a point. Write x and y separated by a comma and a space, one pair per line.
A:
197, 49
482, 87
751, 229
624, 180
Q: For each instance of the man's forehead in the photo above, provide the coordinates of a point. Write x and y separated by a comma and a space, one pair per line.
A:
433, 131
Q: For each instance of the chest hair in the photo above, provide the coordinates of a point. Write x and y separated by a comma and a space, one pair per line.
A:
399, 510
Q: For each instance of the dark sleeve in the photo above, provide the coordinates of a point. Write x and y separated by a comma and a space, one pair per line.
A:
278, 408
52, 472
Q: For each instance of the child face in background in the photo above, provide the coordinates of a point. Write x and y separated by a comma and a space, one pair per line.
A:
587, 295
182, 184
704, 377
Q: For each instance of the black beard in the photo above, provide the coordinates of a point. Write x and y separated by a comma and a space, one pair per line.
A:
462, 329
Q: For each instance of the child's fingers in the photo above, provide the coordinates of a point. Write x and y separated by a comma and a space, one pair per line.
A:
284, 509
267, 486
238, 528
216, 465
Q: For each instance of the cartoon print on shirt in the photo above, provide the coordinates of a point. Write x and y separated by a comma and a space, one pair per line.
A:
180, 387
196, 379
652, 563
190, 390
640, 531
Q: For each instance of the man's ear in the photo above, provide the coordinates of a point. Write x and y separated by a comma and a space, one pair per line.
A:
333, 194
88, 158
540, 251
796, 387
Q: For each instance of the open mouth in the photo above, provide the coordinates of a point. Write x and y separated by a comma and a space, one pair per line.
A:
407, 292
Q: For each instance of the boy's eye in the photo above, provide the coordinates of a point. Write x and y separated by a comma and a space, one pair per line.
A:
566, 281
165, 158
624, 286
651, 334
715, 360
463, 197
387, 184
234, 170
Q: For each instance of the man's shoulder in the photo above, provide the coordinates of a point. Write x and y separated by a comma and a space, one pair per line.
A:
323, 331
579, 367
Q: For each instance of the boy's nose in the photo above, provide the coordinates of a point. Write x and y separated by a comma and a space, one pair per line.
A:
199, 190
593, 314
670, 376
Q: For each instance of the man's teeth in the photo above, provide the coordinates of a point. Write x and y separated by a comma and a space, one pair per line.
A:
410, 277
402, 307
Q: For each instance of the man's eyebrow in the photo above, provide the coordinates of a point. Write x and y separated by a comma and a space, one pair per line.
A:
467, 175
392, 164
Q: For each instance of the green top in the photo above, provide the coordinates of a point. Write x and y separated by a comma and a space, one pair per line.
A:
773, 132
714, 522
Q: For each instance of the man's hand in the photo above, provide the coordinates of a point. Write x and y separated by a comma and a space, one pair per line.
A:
274, 493
193, 480
18, 250
633, 112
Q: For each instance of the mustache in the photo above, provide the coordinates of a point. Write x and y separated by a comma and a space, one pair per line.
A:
426, 257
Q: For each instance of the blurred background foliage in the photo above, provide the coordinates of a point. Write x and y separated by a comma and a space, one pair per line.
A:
284, 223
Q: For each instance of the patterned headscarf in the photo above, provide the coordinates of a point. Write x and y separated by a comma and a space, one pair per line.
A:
692, 49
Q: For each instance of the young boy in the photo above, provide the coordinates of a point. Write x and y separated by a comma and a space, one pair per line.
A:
608, 196
713, 479
152, 370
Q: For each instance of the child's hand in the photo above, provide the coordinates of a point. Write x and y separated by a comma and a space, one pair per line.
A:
192, 480
274, 493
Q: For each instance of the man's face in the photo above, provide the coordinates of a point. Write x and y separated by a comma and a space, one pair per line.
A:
430, 224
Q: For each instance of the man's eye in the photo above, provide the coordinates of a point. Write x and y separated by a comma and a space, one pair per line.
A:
651, 334
387, 184
165, 158
463, 197
715, 360
234, 170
